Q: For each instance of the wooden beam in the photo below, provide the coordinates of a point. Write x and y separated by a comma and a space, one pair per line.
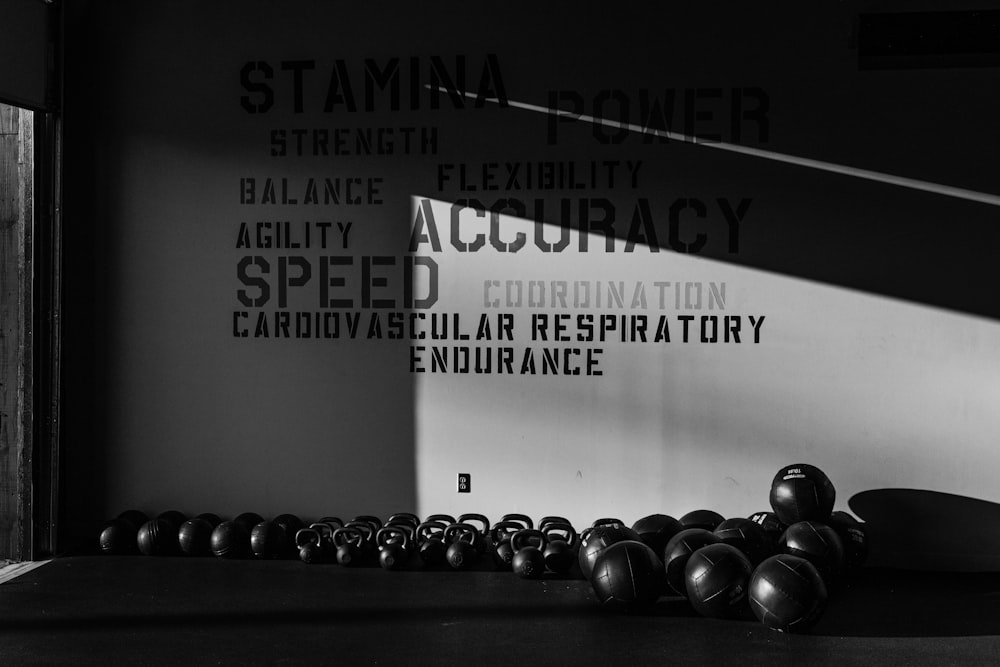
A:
15, 351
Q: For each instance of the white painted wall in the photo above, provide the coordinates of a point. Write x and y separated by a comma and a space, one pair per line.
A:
876, 392
879, 392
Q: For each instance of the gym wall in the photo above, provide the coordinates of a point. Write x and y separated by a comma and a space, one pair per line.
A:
315, 279
24, 52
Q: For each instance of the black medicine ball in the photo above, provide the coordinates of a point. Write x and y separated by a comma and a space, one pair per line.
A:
802, 492
853, 536
746, 536
679, 549
707, 519
195, 537
597, 539
716, 578
118, 537
656, 530
157, 537
629, 575
787, 593
231, 540
819, 544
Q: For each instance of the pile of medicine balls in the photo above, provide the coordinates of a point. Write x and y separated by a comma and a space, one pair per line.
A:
777, 565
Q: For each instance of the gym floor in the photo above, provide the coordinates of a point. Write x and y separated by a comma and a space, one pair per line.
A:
205, 611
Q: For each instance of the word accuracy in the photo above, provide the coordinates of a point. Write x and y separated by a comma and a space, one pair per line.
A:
686, 225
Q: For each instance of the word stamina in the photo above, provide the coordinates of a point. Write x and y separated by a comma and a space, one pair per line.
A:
392, 84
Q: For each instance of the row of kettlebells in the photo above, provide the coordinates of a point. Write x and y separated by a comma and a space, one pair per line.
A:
404, 541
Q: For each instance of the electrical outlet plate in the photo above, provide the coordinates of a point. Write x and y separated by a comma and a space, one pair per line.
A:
464, 482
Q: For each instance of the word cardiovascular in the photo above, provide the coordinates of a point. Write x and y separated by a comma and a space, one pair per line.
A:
543, 327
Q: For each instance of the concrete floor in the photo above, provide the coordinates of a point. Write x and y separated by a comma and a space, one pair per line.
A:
136, 610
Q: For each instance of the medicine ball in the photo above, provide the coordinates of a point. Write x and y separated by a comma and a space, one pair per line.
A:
716, 578
134, 517
656, 530
787, 593
210, 517
267, 540
195, 537
118, 537
771, 524
597, 539
746, 536
853, 536
628, 575
291, 524
175, 517
230, 539
802, 492
157, 537
679, 549
819, 544
706, 519
248, 520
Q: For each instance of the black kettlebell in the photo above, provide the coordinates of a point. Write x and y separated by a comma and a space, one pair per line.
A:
463, 550
374, 521
546, 520
500, 534
368, 528
325, 530
560, 552
529, 554
523, 519
483, 543
401, 518
350, 544
446, 519
393, 546
307, 541
430, 543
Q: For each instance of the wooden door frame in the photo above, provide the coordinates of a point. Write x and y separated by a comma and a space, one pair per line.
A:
47, 337
32, 469
30, 346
